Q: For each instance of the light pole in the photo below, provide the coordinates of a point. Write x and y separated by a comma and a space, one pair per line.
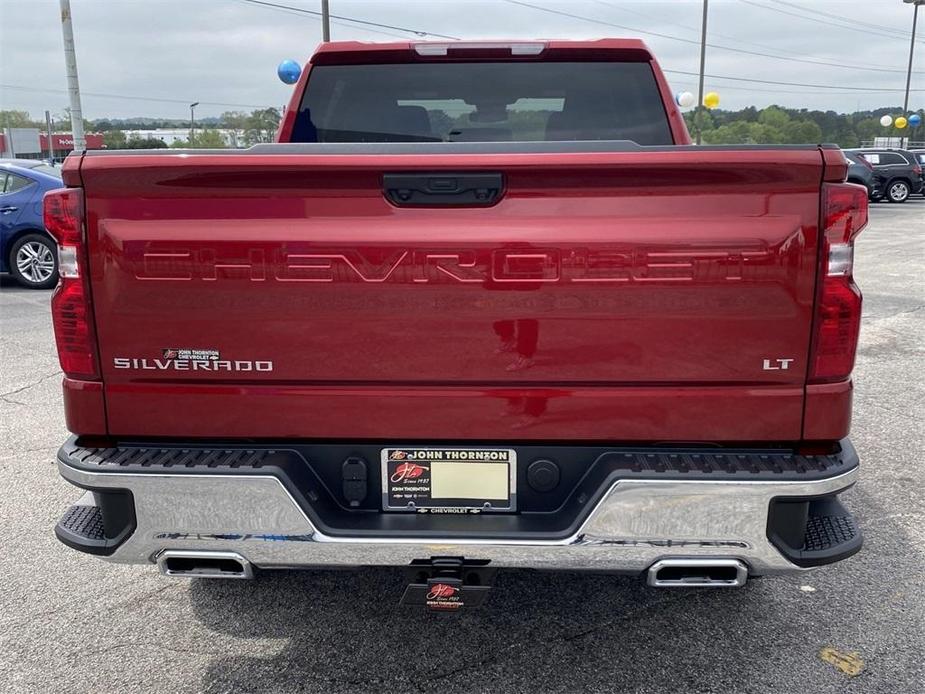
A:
325, 21
73, 86
915, 17
51, 145
698, 116
192, 116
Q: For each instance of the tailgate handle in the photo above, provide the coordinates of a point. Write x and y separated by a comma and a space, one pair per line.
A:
443, 189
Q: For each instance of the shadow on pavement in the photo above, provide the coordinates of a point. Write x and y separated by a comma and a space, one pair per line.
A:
343, 631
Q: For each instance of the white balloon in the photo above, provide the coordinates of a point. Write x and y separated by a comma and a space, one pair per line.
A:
685, 99
886, 121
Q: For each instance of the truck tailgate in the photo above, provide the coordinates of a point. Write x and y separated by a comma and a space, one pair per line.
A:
605, 296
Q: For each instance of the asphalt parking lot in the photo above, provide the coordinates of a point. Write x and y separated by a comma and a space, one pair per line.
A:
71, 623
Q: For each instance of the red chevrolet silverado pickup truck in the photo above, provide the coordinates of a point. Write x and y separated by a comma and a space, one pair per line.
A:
482, 306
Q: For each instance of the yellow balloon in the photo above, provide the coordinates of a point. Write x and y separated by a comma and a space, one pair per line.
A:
900, 122
711, 99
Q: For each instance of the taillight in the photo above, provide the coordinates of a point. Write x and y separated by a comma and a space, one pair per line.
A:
70, 304
838, 312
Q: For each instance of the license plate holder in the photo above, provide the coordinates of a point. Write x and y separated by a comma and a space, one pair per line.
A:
437, 479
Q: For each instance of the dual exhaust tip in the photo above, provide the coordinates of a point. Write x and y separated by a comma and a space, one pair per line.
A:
666, 573
697, 573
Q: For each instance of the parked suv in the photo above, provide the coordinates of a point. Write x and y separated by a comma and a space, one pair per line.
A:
862, 172
899, 170
919, 154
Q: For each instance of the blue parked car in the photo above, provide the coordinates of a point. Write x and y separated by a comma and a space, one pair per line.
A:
26, 250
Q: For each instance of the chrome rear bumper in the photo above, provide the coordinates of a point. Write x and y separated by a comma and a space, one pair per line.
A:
635, 524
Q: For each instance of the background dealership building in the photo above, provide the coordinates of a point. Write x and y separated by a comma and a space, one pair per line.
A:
32, 143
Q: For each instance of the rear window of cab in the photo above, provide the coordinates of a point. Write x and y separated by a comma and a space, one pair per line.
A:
483, 102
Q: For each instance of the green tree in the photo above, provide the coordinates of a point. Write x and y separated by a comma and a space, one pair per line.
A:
736, 133
701, 119
774, 116
749, 113
114, 139
236, 122
209, 139
779, 125
801, 132
61, 122
261, 126
203, 139
136, 142
765, 133
17, 119
868, 129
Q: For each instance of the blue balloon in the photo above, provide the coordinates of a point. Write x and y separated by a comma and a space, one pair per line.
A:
289, 71
915, 120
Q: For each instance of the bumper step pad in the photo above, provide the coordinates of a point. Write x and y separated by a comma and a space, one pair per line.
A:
85, 522
81, 527
98, 523
825, 532
813, 532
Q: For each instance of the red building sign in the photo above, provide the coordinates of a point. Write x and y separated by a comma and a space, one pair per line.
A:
65, 141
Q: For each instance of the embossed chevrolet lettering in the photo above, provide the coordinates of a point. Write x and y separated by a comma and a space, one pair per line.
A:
532, 265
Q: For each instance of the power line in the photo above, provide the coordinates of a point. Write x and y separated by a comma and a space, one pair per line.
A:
734, 39
127, 97
313, 13
686, 27
600, 21
809, 61
300, 13
822, 21
792, 84
697, 43
364, 22
758, 90
899, 32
